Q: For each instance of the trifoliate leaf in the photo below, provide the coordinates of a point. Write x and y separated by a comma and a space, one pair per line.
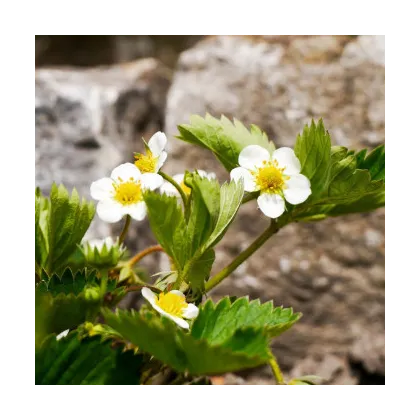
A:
200, 271
71, 361
216, 322
313, 148
224, 138
175, 347
169, 226
64, 223
231, 195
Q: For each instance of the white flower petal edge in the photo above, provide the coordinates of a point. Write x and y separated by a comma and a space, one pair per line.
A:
99, 243
252, 157
101, 189
191, 312
157, 143
272, 205
162, 159
150, 181
110, 211
287, 159
62, 334
298, 189
137, 211
125, 172
241, 173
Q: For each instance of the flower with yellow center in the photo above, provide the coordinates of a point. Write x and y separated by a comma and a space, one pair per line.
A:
276, 176
172, 305
169, 189
155, 155
122, 193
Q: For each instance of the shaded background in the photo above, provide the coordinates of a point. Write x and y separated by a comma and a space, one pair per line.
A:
97, 96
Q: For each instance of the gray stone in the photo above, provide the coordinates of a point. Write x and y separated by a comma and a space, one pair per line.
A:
89, 121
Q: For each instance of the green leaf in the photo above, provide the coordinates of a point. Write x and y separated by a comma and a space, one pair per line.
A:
70, 361
41, 226
313, 149
216, 322
231, 195
224, 138
68, 220
200, 271
168, 225
375, 163
54, 314
366, 203
181, 351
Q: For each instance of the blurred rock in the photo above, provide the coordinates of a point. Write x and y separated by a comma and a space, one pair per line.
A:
89, 121
332, 271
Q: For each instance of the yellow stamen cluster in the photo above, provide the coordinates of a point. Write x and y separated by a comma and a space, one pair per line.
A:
270, 178
128, 192
147, 162
171, 303
187, 190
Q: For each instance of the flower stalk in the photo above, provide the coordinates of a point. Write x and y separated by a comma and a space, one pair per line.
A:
177, 186
276, 370
125, 229
142, 254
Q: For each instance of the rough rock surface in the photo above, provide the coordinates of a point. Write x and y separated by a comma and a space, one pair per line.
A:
89, 121
332, 271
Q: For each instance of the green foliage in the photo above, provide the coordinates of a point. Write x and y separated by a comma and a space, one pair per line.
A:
103, 257
168, 224
177, 348
200, 271
60, 224
70, 361
224, 138
215, 322
313, 151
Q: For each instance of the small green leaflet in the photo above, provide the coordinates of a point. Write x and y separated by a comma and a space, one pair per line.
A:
224, 138
71, 361
216, 322
175, 347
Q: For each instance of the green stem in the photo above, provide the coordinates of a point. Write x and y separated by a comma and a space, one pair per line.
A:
177, 186
125, 229
276, 370
267, 234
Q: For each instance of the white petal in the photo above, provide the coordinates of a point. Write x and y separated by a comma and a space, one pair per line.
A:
157, 143
102, 189
137, 211
177, 292
62, 334
125, 172
253, 156
182, 323
272, 205
242, 173
298, 189
161, 160
168, 189
148, 295
150, 181
110, 211
286, 158
191, 312
204, 174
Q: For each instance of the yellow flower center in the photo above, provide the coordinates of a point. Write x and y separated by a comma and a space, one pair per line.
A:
270, 178
128, 192
171, 303
147, 162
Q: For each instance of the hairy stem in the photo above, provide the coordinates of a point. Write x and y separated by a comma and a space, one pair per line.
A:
244, 255
177, 186
125, 229
142, 254
276, 370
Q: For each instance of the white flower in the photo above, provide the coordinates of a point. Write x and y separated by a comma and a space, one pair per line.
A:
277, 177
123, 193
169, 189
62, 334
155, 155
172, 305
